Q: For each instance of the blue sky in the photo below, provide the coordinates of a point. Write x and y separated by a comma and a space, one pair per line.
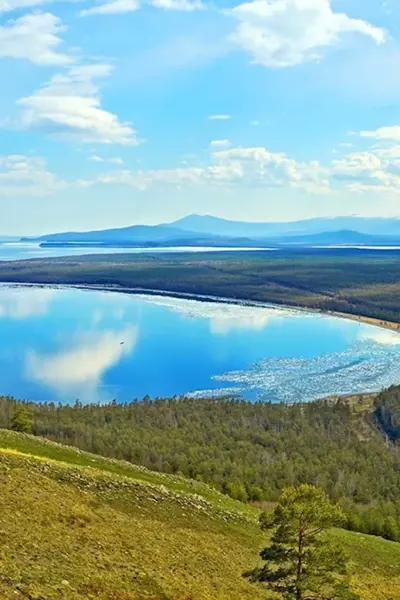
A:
114, 112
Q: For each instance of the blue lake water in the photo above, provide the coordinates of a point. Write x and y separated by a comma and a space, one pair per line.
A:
14, 250
67, 344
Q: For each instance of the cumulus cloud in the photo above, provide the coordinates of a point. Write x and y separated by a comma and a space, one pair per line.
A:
26, 176
113, 160
251, 166
376, 170
112, 8
272, 169
126, 6
219, 117
383, 133
357, 164
68, 106
34, 38
144, 179
182, 5
219, 144
284, 33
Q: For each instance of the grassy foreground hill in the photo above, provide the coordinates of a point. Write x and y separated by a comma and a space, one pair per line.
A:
75, 526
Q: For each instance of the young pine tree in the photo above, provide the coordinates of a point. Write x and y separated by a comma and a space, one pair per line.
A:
302, 563
22, 420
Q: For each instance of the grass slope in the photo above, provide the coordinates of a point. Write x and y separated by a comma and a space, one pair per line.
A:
77, 526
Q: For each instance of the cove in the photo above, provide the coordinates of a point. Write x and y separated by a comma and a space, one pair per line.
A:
62, 345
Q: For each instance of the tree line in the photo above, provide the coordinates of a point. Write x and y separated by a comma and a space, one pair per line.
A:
250, 451
358, 282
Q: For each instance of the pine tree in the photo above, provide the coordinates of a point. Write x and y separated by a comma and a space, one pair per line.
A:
302, 563
22, 420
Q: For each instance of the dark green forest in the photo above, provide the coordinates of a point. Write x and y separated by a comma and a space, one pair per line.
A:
248, 451
358, 282
387, 413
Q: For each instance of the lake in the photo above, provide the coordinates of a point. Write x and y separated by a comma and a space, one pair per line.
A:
65, 344
15, 250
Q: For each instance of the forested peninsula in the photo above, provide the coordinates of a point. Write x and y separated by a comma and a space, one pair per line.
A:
357, 283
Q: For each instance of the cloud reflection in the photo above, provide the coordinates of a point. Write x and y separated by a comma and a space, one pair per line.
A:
223, 317
24, 302
84, 363
381, 336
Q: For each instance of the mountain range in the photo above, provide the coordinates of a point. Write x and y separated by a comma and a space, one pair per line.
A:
206, 230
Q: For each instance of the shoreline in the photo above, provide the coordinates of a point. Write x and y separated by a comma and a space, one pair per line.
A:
136, 291
359, 400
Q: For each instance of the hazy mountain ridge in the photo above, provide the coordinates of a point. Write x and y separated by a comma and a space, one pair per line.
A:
197, 230
218, 226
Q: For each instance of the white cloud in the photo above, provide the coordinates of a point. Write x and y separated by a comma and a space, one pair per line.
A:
357, 164
69, 107
250, 166
126, 6
112, 8
85, 362
114, 160
182, 5
272, 169
14, 5
219, 117
219, 144
375, 170
26, 176
372, 171
389, 152
35, 38
383, 133
379, 167
142, 180
284, 33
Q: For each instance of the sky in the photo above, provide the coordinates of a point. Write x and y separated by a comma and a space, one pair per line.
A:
120, 112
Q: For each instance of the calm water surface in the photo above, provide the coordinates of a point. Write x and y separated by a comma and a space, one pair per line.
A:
67, 344
14, 250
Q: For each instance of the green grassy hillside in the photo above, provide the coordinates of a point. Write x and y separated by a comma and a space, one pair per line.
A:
77, 526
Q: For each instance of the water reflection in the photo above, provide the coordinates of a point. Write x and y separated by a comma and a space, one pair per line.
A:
82, 364
223, 317
381, 336
24, 302
63, 344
